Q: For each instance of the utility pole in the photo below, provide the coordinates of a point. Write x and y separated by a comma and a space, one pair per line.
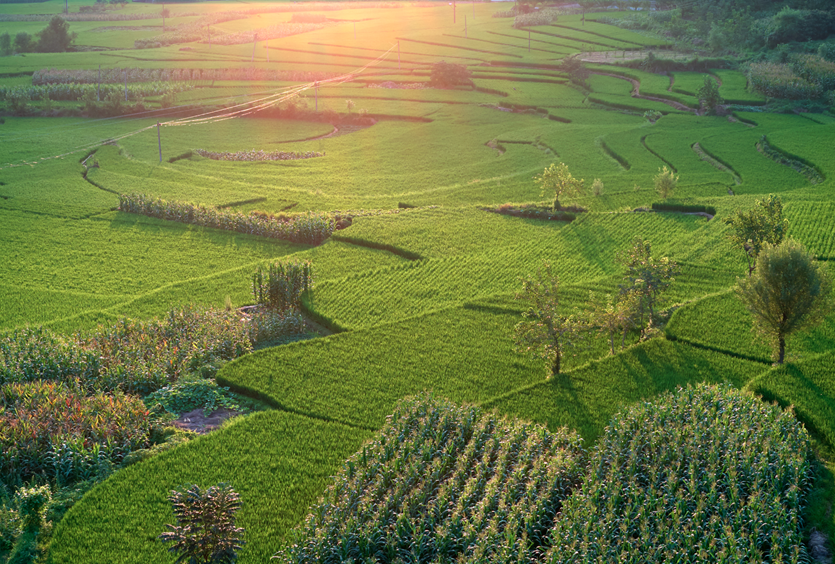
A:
159, 142
453, 11
163, 18
465, 26
316, 91
529, 41
398, 54
126, 86
209, 32
267, 45
98, 87
254, 43
473, 3
355, 31
66, 7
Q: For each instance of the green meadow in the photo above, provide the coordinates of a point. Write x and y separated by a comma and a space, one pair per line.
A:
417, 294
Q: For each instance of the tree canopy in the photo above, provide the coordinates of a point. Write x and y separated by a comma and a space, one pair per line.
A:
56, 36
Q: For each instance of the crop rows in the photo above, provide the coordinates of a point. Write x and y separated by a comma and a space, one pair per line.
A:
441, 483
705, 474
810, 223
279, 463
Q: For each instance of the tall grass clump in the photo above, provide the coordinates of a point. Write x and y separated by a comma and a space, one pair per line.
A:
539, 17
442, 483
706, 474
280, 285
307, 228
56, 431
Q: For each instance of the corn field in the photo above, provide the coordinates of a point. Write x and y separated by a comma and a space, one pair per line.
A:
308, 228
707, 474
443, 483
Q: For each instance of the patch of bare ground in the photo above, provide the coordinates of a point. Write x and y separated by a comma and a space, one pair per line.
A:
200, 423
817, 548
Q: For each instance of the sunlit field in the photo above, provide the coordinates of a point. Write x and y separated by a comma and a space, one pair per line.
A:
416, 294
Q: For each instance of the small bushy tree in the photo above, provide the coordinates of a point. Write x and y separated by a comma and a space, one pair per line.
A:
23, 42
597, 187
753, 229
612, 315
665, 182
646, 279
56, 36
449, 75
788, 292
708, 95
558, 179
205, 532
5, 44
546, 332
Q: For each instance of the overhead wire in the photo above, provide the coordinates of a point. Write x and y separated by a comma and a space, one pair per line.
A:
213, 116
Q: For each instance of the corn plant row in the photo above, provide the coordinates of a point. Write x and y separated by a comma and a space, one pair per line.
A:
442, 483
264, 33
707, 474
55, 430
139, 357
281, 285
75, 91
117, 75
257, 155
307, 228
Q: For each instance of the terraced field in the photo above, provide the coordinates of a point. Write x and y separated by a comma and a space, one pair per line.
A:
419, 290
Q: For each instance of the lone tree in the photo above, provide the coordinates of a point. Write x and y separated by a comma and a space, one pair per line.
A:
205, 531
708, 95
665, 182
449, 75
646, 279
56, 36
557, 178
788, 292
753, 229
545, 333
612, 315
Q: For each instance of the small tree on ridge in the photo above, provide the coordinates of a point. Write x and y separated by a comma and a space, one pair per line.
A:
557, 178
753, 229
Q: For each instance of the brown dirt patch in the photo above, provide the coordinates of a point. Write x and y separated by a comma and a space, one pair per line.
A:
200, 423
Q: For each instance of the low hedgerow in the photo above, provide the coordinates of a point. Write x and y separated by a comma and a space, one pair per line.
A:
55, 431
442, 483
307, 228
707, 474
683, 208
253, 155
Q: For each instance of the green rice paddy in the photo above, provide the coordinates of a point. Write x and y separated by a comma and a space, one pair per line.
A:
419, 289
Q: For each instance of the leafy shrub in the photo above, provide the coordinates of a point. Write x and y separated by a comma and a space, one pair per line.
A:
779, 81
189, 394
281, 285
266, 326
799, 25
9, 523
205, 530
308, 228
707, 474
54, 430
827, 51
32, 505
597, 187
442, 483
449, 75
